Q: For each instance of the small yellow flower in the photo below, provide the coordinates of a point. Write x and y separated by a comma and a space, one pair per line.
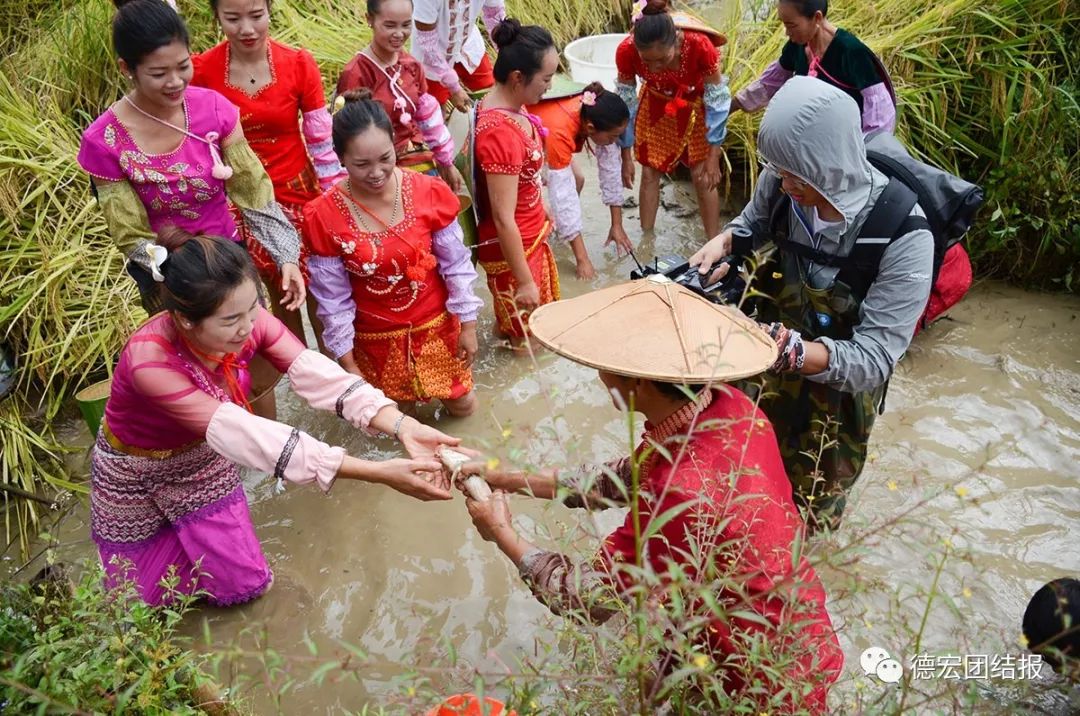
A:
506, 432
701, 661
891, 484
966, 592
947, 542
960, 490
492, 463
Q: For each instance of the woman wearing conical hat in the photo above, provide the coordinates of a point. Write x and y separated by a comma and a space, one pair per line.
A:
708, 470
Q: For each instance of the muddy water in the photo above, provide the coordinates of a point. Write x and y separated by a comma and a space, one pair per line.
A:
988, 400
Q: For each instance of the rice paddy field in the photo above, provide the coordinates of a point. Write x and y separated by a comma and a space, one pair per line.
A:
987, 88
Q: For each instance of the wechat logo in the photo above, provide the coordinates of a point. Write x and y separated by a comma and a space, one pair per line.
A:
875, 661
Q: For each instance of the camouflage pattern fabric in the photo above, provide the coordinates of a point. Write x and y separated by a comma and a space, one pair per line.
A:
822, 432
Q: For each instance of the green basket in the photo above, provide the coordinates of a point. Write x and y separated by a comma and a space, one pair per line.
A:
91, 401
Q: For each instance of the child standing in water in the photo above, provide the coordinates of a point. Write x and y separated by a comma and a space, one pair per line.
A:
683, 109
396, 80
509, 154
594, 119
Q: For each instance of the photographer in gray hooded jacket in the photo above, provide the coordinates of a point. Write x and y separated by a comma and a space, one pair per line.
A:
840, 326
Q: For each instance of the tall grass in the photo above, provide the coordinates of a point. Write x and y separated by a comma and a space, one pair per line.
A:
987, 88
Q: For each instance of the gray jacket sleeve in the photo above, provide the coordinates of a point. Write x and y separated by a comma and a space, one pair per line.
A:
893, 305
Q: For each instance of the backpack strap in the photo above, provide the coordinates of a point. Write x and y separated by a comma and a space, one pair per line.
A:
888, 220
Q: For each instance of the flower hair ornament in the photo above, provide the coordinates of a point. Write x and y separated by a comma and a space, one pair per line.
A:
639, 10
588, 98
339, 103
157, 254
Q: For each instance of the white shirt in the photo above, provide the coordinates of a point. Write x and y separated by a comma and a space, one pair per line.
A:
455, 21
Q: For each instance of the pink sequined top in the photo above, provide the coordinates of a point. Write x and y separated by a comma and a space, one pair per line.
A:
177, 187
163, 397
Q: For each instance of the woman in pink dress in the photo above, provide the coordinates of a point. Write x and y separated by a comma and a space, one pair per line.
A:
166, 496
167, 154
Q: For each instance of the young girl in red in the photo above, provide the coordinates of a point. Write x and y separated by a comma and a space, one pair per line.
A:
681, 116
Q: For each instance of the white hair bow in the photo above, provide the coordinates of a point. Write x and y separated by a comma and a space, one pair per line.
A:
157, 254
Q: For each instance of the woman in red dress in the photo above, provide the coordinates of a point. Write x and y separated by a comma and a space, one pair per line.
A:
509, 154
396, 80
682, 113
279, 92
389, 269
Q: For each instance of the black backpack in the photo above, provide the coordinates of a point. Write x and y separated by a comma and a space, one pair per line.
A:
949, 203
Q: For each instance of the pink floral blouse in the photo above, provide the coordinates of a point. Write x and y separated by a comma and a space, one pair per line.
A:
176, 188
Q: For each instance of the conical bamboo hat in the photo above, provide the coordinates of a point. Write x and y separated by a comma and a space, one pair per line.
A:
656, 329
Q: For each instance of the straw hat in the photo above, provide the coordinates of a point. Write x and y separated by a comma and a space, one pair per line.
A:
562, 86
654, 328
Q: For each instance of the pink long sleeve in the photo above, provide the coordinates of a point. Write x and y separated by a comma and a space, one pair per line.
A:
433, 58
261, 444
878, 110
757, 94
317, 126
563, 195
493, 12
327, 386
609, 169
433, 129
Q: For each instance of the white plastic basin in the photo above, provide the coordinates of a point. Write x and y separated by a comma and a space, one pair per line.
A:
592, 59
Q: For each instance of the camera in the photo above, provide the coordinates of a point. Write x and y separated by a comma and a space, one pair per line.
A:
728, 290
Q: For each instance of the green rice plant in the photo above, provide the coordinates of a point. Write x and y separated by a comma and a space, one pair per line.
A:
83, 649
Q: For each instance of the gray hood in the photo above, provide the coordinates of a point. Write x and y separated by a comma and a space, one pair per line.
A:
814, 131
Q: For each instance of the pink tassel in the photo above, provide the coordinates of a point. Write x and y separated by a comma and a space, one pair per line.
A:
405, 118
220, 170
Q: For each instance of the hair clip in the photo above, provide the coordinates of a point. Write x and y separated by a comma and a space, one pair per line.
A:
639, 10
339, 103
588, 98
157, 254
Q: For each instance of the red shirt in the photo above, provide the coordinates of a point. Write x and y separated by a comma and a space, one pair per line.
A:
503, 146
393, 274
730, 483
699, 58
271, 116
362, 71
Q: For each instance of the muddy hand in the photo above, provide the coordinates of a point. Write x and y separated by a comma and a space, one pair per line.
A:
490, 517
617, 235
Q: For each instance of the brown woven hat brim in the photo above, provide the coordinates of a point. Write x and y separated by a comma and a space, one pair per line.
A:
655, 329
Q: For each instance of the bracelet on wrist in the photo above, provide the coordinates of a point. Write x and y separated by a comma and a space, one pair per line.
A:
397, 426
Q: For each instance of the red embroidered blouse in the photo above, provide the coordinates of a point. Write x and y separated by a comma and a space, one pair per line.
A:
699, 59
361, 71
271, 116
393, 274
503, 146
